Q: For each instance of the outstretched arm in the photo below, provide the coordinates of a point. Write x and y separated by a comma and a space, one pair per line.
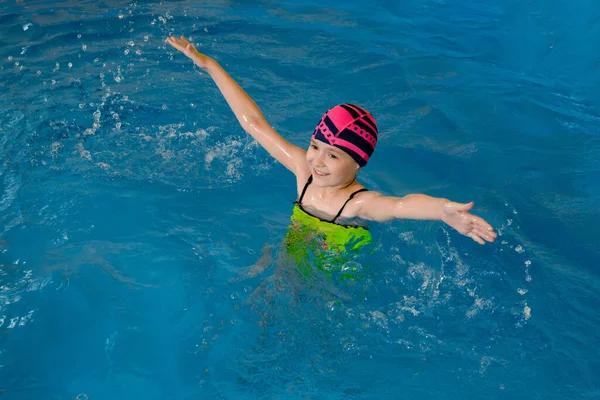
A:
377, 207
246, 111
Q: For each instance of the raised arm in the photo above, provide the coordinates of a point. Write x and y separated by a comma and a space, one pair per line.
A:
375, 206
246, 111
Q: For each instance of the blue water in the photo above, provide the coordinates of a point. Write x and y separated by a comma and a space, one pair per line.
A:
141, 229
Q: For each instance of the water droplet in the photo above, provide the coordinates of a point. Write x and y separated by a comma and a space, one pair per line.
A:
519, 249
39, 72
527, 312
164, 107
84, 47
79, 36
126, 51
10, 58
70, 65
27, 26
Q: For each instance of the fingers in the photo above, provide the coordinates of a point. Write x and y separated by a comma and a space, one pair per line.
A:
481, 236
476, 238
178, 42
489, 236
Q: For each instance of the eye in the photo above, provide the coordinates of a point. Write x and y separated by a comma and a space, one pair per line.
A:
333, 156
314, 147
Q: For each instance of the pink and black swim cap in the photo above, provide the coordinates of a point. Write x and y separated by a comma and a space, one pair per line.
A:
351, 129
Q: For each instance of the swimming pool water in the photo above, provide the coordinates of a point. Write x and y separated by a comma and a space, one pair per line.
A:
141, 229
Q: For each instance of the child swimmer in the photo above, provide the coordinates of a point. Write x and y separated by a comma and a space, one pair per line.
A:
328, 192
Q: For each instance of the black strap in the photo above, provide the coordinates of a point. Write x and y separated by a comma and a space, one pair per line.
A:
349, 198
310, 179
299, 201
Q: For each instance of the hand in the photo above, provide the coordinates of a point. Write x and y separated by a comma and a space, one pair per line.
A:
457, 216
189, 50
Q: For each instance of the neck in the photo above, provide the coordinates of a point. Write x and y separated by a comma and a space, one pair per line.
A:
332, 190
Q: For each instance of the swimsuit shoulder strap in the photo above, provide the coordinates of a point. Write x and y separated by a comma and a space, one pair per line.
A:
349, 198
308, 182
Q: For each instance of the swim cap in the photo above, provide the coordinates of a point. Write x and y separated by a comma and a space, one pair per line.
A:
351, 129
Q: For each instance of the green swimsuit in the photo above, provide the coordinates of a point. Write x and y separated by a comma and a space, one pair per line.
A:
326, 245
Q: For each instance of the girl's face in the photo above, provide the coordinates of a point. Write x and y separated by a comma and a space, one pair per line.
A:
329, 165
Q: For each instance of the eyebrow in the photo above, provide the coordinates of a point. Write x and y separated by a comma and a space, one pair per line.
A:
333, 149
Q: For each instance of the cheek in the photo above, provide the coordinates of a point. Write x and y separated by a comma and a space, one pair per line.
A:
341, 168
309, 155
335, 167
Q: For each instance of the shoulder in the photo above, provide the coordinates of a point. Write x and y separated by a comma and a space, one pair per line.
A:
362, 201
374, 206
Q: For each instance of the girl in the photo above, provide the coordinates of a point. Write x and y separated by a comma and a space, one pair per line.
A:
329, 196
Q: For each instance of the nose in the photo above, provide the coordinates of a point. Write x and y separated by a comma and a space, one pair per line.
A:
318, 160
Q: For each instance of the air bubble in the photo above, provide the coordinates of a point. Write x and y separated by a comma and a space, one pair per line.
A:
79, 36
10, 58
84, 47
164, 107
70, 65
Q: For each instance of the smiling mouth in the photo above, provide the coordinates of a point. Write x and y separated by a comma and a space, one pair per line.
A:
319, 173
